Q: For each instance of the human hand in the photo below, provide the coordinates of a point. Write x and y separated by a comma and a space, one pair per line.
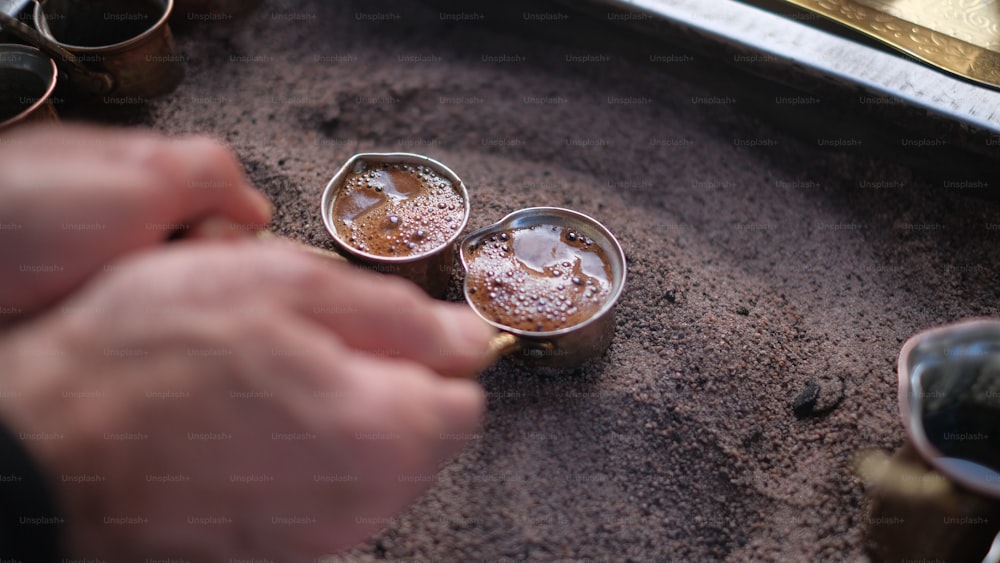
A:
73, 198
214, 401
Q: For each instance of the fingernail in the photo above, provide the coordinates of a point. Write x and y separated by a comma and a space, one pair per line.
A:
465, 402
263, 204
216, 228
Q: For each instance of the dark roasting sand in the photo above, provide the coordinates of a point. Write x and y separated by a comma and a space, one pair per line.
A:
764, 252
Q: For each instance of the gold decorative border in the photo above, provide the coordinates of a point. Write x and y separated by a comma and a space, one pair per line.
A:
932, 47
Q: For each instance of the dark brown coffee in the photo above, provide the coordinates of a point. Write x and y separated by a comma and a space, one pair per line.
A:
101, 22
539, 279
397, 210
19, 89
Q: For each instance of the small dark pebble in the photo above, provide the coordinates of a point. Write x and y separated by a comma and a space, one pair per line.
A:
819, 396
805, 402
671, 296
754, 436
741, 310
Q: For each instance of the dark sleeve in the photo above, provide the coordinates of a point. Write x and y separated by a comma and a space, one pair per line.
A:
29, 525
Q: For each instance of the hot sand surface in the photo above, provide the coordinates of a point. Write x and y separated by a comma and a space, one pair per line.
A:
759, 257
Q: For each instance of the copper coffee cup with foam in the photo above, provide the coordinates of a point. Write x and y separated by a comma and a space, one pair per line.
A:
549, 279
398, 213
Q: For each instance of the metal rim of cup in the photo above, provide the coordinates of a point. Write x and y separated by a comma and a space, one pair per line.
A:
910, 413
43, 26
333, 188
564, 217
51, 80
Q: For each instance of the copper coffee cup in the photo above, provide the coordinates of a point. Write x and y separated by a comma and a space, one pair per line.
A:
27, 80
563, 346
430, 269
119, 52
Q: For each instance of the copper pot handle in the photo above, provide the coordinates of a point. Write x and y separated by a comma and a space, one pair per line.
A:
96, 82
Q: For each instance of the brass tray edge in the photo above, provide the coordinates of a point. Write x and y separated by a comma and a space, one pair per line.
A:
927, 45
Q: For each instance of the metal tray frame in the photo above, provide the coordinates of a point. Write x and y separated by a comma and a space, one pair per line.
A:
787, 46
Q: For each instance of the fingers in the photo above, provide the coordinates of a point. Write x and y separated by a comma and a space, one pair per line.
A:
386, 419
388, 423
390, 317
182, 180
398, 418
203, 179
382, 316
413, 419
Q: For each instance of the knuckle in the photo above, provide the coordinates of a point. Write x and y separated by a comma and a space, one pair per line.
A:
402, 297
301, 273
151, 152
155, 160
210, 151
425, 422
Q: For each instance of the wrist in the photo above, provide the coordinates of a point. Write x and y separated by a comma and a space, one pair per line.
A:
44, 426
31, 525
